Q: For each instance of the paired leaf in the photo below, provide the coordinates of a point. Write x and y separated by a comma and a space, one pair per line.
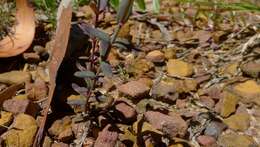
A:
104, 47
125, 9
85, 74
106, 69
94, 33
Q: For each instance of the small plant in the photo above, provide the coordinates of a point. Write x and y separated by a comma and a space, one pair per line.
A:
97, 64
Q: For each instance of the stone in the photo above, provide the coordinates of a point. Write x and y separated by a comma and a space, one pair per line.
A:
215, 129
23, 132
169, 53
5, 120
126, 111
77, 102
238, 122
31, 57
106, 138
229, 103
47, 142
21, 106
180, 68
66, 135
135, 89
14, 77
207, 101
231, 69
171, 125
36, 90
138, 67
252, 69
155, 56
207, 141
59, 126
59, 144
249, 91
236, 140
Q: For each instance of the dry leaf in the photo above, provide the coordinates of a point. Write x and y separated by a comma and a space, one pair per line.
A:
59, 49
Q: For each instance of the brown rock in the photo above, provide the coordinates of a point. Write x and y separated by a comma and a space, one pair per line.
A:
22, 135
31, 57
106, 138
155, 56
238, 122
21, 106
138, 67
134, 89
180, 68
60, 144
172, 125
249, 90
252, 69
37, 90
66, 135
14, 77
229, 104
127, 111
206, 141
170, 53
207, 101
47, 142
59, 126
236, 140
5, 120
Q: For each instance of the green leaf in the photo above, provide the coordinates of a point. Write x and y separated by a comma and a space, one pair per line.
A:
141, 4
85, 74
104, 47
106, 69
125, 9
156, 6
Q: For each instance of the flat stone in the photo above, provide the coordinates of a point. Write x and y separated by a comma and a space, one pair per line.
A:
127, 112
236, 140
66, 135
135, 89
171, 125
155, 56
36, 90
215, 129
14, 77
31, 57
238, 122
180, 68
207, 141
207, 101
5, 120
106, 138
59, 144
249, 91
59, 126
252, 69
229, 103
25, 128
21, 106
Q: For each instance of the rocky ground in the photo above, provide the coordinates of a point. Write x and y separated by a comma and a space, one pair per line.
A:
178, 81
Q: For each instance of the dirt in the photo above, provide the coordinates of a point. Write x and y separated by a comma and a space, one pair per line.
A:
178, 78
